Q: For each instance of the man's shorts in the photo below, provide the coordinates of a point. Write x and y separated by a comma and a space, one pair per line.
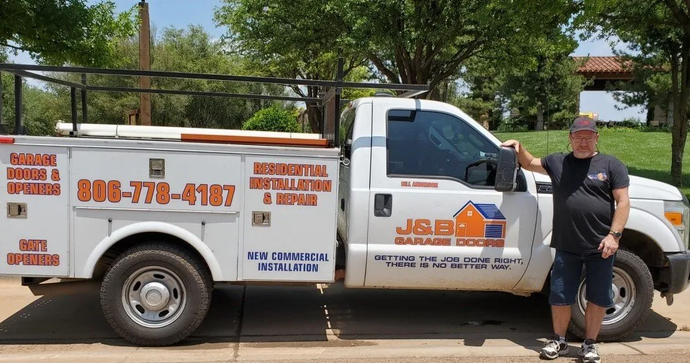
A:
565, 278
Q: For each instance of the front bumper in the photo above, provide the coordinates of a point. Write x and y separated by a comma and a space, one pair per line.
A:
677, 274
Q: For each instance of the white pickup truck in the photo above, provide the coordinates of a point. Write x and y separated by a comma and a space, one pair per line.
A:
410, 201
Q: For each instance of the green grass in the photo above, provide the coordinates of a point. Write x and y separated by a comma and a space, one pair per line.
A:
646, 154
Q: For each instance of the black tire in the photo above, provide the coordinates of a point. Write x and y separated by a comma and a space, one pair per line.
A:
158, 270
619, 323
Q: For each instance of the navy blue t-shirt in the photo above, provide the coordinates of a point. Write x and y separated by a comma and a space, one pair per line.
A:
583, 202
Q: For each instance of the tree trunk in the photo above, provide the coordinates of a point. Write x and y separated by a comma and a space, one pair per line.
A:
315, 117
650, 113
678, 144
681, 94
540, 117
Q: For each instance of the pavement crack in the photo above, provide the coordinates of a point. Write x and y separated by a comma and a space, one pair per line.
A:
130, 354
240, 318
633, 348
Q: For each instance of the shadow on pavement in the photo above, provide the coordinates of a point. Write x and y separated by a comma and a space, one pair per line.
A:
308, 316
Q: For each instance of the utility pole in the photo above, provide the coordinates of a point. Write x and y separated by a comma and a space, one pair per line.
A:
144, 64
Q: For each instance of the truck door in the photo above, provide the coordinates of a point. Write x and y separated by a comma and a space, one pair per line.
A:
436, 221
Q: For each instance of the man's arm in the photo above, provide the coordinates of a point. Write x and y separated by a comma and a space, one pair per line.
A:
609, 245
526, 160
620, 216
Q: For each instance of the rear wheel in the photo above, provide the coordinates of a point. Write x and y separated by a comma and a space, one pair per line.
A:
155, 294
633, 293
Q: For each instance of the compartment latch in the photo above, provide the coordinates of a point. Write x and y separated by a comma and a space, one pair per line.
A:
16, 210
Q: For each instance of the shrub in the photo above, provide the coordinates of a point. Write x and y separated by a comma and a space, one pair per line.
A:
513, 124
273, 119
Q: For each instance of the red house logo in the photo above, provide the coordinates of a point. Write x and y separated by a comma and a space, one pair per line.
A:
480, 221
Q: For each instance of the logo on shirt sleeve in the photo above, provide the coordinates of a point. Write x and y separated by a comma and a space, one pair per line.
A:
601, 176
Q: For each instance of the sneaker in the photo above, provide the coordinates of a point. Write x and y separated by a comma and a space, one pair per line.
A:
553, 348
589, 352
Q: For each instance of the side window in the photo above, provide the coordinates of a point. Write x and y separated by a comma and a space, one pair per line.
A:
438, 145
347, 123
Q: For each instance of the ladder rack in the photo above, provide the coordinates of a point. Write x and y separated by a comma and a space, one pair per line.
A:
329, 102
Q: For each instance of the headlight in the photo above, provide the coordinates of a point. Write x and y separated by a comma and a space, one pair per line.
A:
678, 214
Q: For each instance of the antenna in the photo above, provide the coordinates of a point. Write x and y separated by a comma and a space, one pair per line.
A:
548, 118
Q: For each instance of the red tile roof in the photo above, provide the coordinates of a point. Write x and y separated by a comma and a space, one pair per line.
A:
600, 65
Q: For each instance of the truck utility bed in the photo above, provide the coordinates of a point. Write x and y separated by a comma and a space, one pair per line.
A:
256, 212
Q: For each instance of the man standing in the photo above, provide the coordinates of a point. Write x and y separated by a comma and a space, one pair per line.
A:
587, 227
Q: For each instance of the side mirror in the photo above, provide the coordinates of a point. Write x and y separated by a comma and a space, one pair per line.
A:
507, 170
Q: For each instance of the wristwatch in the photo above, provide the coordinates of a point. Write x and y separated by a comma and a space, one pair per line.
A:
616, 234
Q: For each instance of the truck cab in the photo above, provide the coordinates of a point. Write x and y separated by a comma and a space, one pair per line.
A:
418, 205
420, 208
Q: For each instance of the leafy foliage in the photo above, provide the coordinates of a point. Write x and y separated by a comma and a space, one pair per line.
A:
547, 95
401, 41
482, 100
427, 42
180, 50
541, 92
658, 35
291, 39
273, 119
64, 31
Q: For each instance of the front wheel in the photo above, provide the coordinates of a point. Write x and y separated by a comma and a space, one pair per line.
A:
633, 293
155, 295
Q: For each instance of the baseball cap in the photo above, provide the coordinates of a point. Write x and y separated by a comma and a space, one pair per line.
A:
583, 123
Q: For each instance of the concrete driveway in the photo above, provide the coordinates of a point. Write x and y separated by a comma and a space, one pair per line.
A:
262, 323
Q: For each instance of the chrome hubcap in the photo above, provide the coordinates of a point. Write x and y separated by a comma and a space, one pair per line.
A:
154, 297
623, 292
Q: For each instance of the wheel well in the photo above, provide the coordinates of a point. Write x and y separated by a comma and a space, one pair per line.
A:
646, 249
121, 246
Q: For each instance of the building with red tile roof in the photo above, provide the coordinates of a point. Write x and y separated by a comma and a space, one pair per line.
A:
606, 70
603, 70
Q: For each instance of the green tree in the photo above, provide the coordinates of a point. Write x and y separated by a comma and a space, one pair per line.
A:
273, 119
403, 41
64, 31
658, 35
193, 50
427, 42
547, 93
648, 88
544, 87
293, 39
6, 99
40, 111
39, 106
482, 100
180, 50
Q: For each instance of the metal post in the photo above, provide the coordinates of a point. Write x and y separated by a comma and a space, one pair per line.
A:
324, 117
1, 119
144, 63
73, 95
84, 113
18, 126
336, 104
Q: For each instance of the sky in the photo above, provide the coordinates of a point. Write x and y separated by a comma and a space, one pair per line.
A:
181, 13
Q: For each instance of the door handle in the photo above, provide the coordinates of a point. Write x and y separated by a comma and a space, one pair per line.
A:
383, 205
